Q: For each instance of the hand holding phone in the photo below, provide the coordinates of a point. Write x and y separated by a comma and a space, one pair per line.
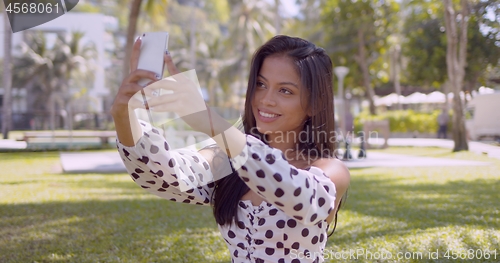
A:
151, 58
153, 46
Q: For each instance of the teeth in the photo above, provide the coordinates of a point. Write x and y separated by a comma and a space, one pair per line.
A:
267, 115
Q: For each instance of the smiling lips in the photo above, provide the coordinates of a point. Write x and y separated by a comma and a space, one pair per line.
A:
266, 116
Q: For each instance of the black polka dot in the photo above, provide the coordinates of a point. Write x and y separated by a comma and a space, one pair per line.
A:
314, 240
235, 253
305, 232
295, 261
241, 245
307, 183
298, 218
279, 192
261, 188
291, 223
295, 245
153, 149
321, 237
285, 237
144, 159
321, 201
287, 251
269, 251
246, 179
231, 234
298, 207
196, 159
281, 260
297, 191
273, 211
326, 188
241, 225
313, 217
165, 145
171, 163
279, 245
259, 260
259, 241
269, 234
262, 221
260, 174
270, 159
280, 224
293, 171
278, 177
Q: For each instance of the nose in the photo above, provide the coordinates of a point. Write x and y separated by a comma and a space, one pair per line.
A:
268, 98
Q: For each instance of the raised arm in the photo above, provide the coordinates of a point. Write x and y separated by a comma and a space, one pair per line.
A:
180, 175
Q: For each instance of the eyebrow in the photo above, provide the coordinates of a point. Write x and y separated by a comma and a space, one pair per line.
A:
281, 83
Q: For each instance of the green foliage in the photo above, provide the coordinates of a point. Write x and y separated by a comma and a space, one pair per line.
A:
425, 46
402, 121
343, 20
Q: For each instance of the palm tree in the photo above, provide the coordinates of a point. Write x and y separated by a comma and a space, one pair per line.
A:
255, 19
46, 73
7, 79
214, 59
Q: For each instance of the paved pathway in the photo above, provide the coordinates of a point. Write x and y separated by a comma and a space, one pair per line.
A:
91, 162
110, 162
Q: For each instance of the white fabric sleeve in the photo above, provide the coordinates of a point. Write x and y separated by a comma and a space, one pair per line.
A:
306, 195
179, 175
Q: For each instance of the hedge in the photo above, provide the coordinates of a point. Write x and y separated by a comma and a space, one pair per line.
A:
403, 121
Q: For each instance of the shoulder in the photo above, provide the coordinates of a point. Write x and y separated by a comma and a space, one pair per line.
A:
336, 170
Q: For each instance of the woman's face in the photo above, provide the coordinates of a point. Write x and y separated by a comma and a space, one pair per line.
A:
276, 104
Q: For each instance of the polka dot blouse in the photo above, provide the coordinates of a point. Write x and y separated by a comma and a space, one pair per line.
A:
289, 226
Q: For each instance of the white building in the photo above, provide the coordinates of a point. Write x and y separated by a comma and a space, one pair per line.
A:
97, 28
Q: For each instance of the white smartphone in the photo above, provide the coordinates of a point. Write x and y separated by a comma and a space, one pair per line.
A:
153, 46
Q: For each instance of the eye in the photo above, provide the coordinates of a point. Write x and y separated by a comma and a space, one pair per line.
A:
285, 91
259, 84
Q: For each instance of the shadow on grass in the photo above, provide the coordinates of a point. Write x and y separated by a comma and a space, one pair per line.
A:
138, 230
397, 208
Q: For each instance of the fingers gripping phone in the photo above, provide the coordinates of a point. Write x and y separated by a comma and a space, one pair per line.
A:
153, 46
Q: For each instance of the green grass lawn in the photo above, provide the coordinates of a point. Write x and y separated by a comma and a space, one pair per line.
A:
46, 216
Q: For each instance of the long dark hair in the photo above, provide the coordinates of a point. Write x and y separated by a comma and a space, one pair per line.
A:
315, 71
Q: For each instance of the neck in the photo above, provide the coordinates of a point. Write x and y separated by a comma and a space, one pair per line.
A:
287, 143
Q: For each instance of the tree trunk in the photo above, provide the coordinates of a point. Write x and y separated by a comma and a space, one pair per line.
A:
7, 79
135, 8
397, 69
455, 62
363, 64
277, 17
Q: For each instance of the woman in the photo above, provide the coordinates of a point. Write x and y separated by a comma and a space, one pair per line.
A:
278, 187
